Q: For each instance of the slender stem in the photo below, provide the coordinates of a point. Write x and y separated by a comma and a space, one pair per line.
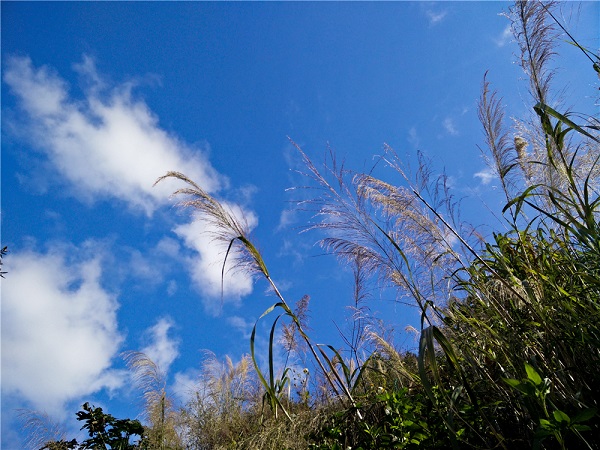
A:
471, 250
312, 349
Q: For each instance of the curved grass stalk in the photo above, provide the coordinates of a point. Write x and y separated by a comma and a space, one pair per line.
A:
230, 230
272, 388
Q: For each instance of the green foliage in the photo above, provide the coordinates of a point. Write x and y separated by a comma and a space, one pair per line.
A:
552, 422
529, 295
274, 387
60, 445
104, 431
396, 419
529, 298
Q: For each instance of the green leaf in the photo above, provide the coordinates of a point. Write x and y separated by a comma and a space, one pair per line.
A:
545, 424
561, 417
585, 415
270, 388
533, 375
542, 108
511, 382
525, 388
519, 200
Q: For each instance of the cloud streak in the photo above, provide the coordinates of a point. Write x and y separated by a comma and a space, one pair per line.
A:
108, 145
485, 176
505, 37
162, 349
433, 13
450, 126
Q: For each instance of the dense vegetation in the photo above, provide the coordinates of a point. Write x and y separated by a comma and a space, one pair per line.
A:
509, 350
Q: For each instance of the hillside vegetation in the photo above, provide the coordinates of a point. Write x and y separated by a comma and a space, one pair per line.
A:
509, 347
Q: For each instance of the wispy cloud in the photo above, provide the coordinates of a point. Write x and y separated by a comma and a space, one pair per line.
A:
171, 288
145, 268
295, 250
108, 145
59, 330
162, 349
450, 126
208, 382
505, 37
148, 268
435, 17
486, 175
186, 384
287, 218
413, 137
206, 264
434, 14
242, 325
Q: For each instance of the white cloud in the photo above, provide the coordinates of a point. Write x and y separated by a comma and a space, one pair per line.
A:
208, 382
434, 16
168, 247
413, 137
107, 145
59, 330
151, 266
162, 350
505, 37
245, 193
110, 145
486, 175
144, 267
206, 266
287, 218
242, 325
450, 126
171, 288
186, 384
294, 250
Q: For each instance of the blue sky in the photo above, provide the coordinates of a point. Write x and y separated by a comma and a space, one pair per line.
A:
100, 99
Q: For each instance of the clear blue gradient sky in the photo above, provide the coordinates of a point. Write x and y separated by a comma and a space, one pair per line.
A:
99, 99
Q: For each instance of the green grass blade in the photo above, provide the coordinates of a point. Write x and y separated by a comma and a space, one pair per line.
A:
542, 108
